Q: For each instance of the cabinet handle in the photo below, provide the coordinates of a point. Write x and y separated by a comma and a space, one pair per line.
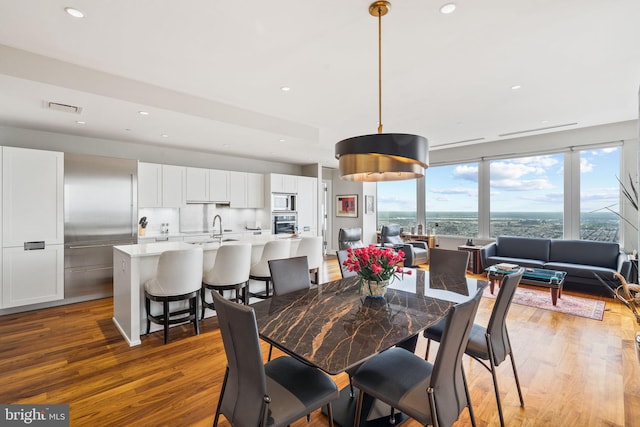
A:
33, 246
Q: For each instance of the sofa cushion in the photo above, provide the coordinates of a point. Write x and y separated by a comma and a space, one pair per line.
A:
580, 270
585, 252
523, 262
523, 247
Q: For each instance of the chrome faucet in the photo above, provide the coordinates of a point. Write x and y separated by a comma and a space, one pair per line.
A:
213, 226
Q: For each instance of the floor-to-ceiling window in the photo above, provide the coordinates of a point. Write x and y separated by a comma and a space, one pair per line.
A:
527, 196
397, 203
600, 209
452, 199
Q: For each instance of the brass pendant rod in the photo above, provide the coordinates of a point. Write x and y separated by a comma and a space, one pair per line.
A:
379, 69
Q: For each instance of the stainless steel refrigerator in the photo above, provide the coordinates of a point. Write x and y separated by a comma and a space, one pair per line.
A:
100, 211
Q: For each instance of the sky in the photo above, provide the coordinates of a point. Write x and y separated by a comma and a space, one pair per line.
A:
527, 184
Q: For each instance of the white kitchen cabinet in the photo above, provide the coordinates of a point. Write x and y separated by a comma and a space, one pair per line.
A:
197, 185
149, 185
32, 226
307, 205
207, 185
218, 185
238, 189
174, 186
161, 186
32, 194
281, 183
246, 190
255, 190
31, 277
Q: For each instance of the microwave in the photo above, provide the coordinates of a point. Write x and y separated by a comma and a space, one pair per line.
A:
283, 202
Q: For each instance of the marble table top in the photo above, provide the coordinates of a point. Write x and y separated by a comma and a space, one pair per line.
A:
333, 327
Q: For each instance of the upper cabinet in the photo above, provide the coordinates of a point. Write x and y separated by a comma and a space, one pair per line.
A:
161, 186
246, 190
207, 185
284, 183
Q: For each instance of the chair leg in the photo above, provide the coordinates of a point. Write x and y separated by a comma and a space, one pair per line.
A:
515, 371
266, 288
330, 414
147, 304
224, 385
466, 392
492, 365
165, 306
426, 353
193, 302
356, 421
203, 293
351, 392
270, 351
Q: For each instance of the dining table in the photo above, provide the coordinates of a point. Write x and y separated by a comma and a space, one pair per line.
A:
333, 327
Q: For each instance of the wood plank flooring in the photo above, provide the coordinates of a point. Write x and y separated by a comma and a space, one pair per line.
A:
574, 371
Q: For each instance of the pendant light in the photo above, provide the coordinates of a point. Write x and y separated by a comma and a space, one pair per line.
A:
382, 156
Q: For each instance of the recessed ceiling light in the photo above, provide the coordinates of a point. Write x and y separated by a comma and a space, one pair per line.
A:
143, 113
515, 87
448, 8
544, 121
80, 122
285, 88
74, 12
225, 145
164, 135
282, 140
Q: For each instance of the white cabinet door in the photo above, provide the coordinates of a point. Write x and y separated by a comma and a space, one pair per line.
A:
32, 194
31, 277
218, 185
307, 202
238, 189
149, 185
197, 185
290, 183
173, 186
255, 190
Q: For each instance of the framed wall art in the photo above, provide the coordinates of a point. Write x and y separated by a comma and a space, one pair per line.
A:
347, 205
369, 204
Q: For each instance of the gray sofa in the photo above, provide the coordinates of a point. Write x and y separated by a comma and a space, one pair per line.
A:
579, 258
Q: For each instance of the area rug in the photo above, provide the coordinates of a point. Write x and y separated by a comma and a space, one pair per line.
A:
568, 304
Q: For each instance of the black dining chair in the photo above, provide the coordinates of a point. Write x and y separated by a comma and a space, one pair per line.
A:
448, 270
342, 257
490, 345
257, 394
433, 394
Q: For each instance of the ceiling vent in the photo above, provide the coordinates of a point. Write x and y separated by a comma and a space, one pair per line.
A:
65, 108
538, 129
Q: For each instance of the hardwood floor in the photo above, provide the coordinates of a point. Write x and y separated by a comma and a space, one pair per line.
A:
574, 371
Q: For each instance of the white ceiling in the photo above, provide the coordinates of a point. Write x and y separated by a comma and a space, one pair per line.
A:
210, 72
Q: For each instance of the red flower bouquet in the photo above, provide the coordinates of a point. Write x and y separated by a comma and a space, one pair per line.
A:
375, 266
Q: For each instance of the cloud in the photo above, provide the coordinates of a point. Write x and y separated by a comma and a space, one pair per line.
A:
471, 192
466, 172
585, 165
521, 184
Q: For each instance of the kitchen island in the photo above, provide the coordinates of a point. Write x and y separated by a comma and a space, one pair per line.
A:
133, 265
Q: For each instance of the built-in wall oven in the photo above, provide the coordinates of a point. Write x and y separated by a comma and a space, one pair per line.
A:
285, 223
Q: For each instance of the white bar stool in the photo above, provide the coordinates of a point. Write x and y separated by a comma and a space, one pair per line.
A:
178, 278
311, 247
230, 271
273, 249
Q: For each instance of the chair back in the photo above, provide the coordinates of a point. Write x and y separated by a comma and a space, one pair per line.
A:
179, 272
447, 377
350, 238
497, 326
311, 247
289, 274
342, 257
231, 266
245, 382
273, 249
391, 234
448, 270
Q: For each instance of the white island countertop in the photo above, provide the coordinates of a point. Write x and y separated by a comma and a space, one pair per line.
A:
133, 265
